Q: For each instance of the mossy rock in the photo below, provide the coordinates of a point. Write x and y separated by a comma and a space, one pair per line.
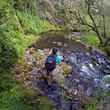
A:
67, 69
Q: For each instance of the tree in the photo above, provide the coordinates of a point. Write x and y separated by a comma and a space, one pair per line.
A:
91, 14
95, 12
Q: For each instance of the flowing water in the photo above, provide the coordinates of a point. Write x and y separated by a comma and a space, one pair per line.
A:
90, 74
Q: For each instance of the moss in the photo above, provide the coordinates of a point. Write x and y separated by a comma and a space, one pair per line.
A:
66, 69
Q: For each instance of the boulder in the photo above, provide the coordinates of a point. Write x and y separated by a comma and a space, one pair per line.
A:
106, 79
67, 69
58, 75
39, 54
60, 72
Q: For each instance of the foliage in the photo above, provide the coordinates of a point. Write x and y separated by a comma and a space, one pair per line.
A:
98, 102
8, 53
19, 26
90, 39
20, 98
91, 106
32, 24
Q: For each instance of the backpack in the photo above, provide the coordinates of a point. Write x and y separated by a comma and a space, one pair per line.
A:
50, 63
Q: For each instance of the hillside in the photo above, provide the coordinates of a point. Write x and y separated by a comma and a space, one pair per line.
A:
20, 25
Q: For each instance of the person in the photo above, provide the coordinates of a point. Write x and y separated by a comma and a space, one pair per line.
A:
52, 60
50, 64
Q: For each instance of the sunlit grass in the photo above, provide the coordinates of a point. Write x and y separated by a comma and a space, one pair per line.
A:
90, 39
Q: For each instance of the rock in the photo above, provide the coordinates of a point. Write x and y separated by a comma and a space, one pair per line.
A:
65, 45
60, 72
89, 91
59, 43
73, 59
67, 69
39, 54
54, 42
58, 75
106, 79
106, 70
40, 51
106, 83
29, 59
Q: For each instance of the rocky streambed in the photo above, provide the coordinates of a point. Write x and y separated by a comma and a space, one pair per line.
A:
89, 76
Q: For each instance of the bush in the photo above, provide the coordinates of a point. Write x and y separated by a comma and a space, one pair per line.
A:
18, 29
8, 55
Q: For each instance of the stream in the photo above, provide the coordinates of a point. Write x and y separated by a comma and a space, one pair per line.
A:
90, 74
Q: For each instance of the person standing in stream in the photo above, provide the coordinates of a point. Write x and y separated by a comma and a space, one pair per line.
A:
51, 61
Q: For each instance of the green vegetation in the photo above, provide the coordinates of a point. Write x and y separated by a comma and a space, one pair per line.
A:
18, 98
91, 106
90, 39
20, 26
18, 29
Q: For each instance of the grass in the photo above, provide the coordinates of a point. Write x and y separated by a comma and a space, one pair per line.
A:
90, 39
92, 105
32, 24
19, 98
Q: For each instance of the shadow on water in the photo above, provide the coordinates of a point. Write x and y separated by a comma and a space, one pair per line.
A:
60, 40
